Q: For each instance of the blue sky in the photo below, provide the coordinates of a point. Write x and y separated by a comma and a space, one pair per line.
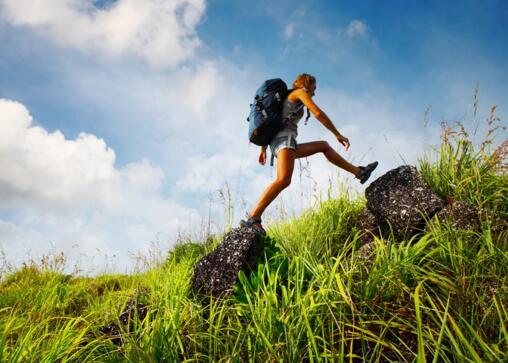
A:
125, 117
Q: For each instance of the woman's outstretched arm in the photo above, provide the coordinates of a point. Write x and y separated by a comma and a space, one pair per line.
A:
321, 116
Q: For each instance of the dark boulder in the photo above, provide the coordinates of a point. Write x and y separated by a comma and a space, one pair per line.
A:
216, 273
460, 215
366, 224
135, 309
402, 200
499, 228
366, 255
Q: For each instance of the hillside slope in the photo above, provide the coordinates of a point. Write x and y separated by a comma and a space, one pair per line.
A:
441, 296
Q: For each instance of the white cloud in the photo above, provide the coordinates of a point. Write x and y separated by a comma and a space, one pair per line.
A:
46, 167
199, 88
356, 28
209, 172
289, 31
69, 192
160, 31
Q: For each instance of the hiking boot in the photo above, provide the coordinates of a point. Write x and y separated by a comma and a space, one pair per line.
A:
253, 222
365, 172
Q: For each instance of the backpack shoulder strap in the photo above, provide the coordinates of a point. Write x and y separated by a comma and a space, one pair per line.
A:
302, 106
307, 117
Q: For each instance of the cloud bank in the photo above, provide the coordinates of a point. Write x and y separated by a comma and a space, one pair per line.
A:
161, 32
69, 191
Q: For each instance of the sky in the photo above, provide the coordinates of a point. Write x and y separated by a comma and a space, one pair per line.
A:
122, 122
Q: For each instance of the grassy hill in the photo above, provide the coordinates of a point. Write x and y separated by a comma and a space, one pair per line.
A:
441, 296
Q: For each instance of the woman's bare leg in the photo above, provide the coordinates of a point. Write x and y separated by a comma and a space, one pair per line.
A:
285, 166
311, 148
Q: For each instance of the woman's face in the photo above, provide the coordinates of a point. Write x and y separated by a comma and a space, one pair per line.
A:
312, 89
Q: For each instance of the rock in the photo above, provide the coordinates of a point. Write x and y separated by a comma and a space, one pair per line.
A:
366, 255
366, 223
368, 226
399, 198
216, 273
461, 215
499, 229
133, 309
466, 216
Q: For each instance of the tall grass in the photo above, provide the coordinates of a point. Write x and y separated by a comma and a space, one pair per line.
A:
440, 297
460, 169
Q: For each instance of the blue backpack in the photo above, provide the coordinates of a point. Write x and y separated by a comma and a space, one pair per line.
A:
265, 118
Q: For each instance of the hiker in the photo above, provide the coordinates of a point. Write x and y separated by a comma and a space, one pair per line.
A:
285, 148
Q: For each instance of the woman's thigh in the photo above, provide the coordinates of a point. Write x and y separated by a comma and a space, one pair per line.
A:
310, 148
285, 163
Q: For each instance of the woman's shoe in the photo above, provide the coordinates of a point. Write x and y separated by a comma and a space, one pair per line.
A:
253, 222
365, 172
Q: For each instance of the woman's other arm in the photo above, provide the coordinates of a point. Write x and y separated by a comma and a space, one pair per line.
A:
262, 155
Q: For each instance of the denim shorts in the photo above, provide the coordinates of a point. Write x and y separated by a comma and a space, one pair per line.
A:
281, 142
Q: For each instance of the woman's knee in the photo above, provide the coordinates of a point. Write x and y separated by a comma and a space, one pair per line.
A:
324, 146
283, 182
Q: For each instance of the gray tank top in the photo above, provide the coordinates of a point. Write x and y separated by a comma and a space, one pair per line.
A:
292, 112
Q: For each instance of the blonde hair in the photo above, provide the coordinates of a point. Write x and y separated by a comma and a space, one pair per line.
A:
304, 80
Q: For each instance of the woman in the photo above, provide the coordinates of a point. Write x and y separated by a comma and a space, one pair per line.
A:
286, 149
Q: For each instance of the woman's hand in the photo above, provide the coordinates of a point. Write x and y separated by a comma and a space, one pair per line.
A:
262, 156
343, 140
